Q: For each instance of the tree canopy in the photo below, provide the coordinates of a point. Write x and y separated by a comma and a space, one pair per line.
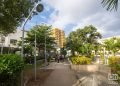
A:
83, 40
42, 31
112, 44
13, 13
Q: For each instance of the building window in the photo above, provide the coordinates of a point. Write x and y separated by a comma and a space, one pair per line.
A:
2, 39
13, 41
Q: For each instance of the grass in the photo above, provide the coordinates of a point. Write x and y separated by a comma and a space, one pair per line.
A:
31, 66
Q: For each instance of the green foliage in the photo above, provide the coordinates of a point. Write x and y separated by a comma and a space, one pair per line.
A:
114, 60
102, 57
10, 68
41, 31
92, 56
110, 4
13, 13
83, 40
63, 51
82, 60
28, 49
112, 44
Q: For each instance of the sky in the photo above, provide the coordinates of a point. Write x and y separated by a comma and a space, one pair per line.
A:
70, 15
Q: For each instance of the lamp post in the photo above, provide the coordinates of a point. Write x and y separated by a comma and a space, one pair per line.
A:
39, 8
2, 43
45, 50
35, 56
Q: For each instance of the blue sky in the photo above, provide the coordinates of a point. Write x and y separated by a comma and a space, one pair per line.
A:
69, 15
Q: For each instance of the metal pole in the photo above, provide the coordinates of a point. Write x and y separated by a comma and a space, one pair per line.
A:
2, 48
2, 38
22, 49
35, 56
45, 50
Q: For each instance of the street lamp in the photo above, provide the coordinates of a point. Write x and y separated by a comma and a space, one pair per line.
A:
39, 8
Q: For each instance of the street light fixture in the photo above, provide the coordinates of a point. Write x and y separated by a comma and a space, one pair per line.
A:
39, 8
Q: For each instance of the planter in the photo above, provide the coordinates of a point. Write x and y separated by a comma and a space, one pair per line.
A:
91, 68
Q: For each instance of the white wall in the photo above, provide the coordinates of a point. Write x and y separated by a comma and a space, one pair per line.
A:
16, 36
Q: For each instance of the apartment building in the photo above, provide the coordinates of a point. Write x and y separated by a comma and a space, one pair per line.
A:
59, 36
12, 39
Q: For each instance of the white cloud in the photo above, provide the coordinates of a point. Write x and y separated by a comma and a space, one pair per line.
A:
43, 17
81, 13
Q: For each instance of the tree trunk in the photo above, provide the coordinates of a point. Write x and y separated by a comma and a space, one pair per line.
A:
38, 52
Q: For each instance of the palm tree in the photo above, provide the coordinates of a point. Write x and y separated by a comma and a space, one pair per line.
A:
110, 4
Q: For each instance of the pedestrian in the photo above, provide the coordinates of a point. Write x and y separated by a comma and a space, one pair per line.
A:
58, 58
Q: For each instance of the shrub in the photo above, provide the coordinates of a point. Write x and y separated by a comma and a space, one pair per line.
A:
92, 56
10, 69
102, 58
81, 60
114, 60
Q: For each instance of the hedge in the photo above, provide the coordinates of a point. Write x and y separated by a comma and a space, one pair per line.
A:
11, 66
81, 60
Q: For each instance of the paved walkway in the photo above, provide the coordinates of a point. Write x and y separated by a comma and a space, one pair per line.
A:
61, 76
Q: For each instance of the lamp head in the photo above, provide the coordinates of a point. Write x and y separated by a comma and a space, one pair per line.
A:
39, 8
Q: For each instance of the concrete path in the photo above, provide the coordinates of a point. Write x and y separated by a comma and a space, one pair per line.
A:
61, 76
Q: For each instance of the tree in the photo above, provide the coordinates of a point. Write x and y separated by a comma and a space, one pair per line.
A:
112, 44
41, 31
63, 51
28, 49
70, 42
13, 13
110, 4
83, 40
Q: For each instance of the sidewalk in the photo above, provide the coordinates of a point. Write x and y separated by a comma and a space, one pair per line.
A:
61, 76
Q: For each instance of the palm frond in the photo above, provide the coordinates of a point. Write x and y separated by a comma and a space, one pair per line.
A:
110, 4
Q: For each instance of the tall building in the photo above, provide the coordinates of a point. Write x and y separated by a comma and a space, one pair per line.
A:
59, 36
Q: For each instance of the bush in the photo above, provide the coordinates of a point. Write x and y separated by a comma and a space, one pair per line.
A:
81, 60
10, 69
102, 58
114, 60
92, 56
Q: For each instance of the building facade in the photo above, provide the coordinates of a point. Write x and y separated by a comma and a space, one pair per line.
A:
11, 40
59, 36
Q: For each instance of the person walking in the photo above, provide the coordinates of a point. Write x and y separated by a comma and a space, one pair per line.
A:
58, 58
